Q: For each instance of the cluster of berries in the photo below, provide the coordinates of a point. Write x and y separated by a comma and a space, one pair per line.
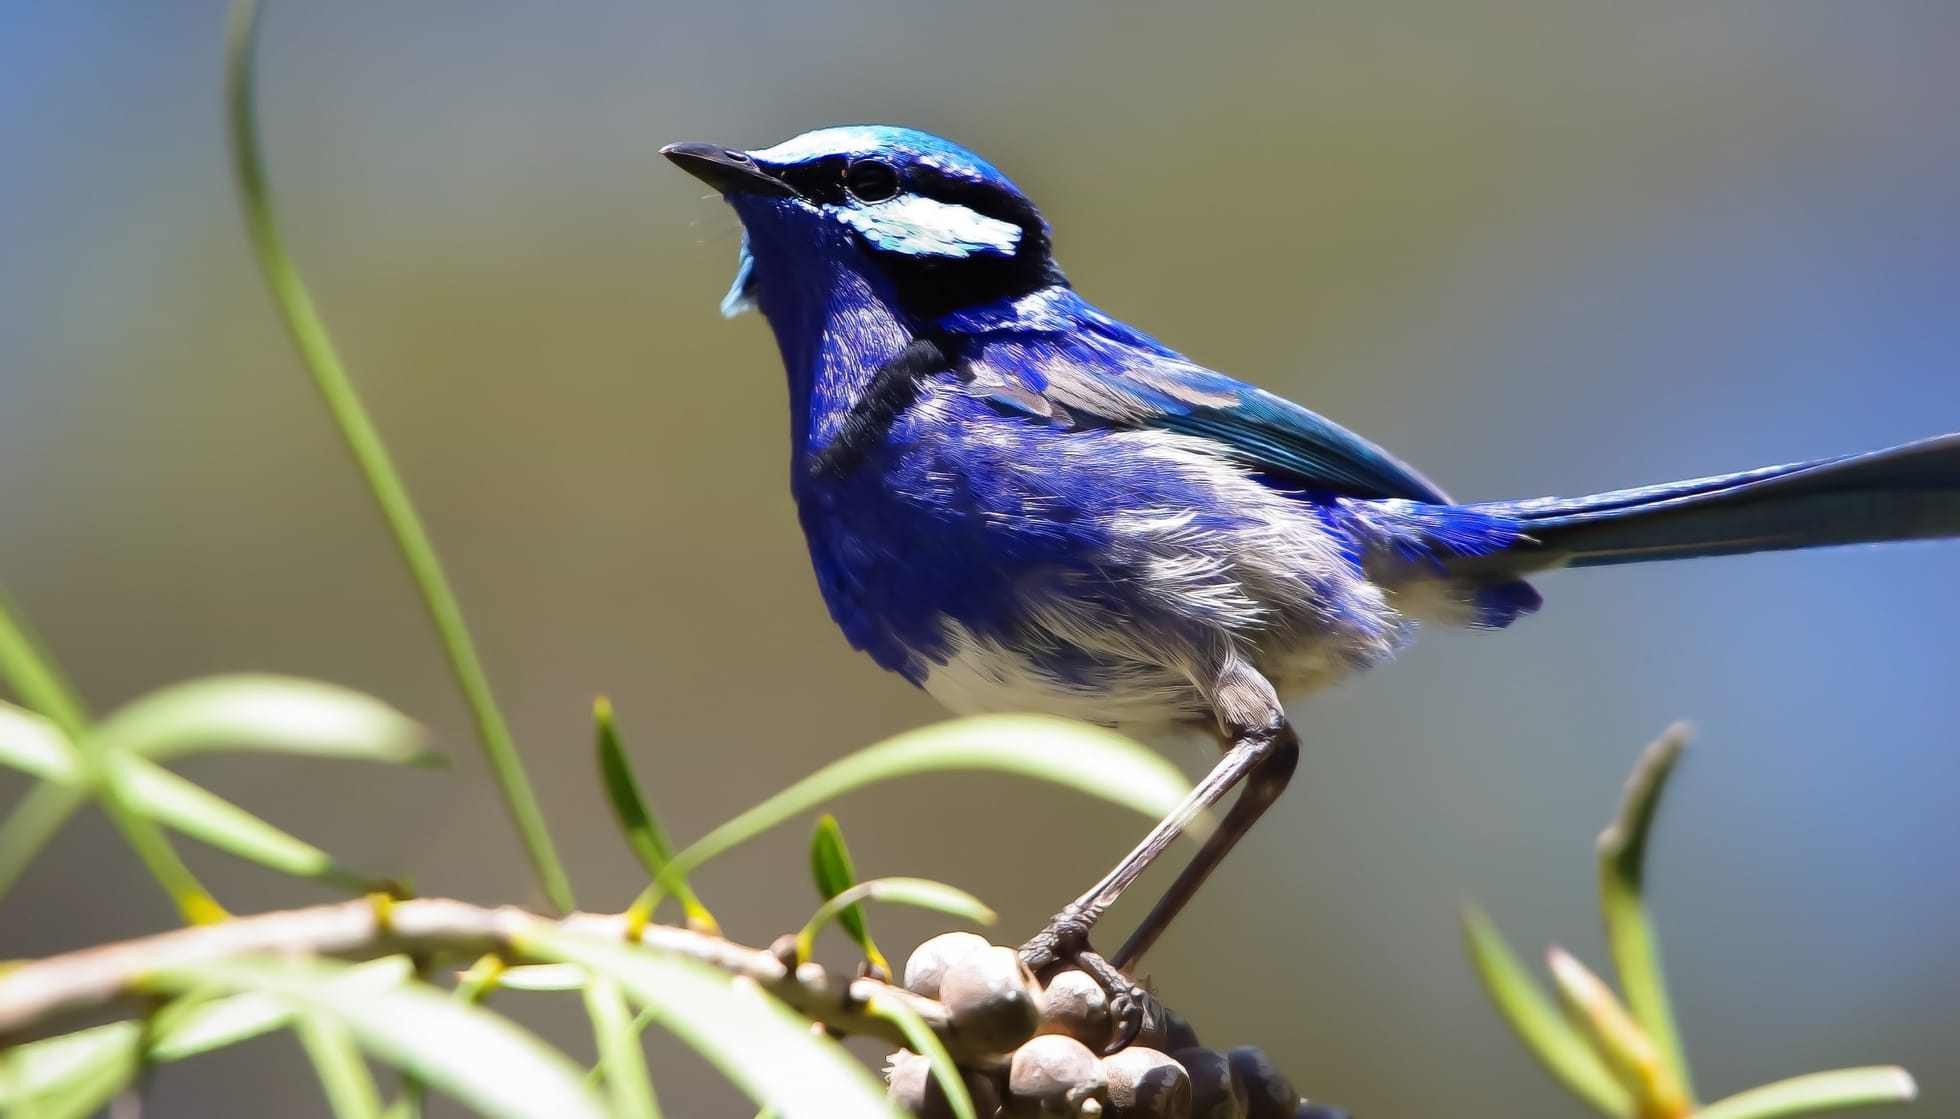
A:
1046, 1036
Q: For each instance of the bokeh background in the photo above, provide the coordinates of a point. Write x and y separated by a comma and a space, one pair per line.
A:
1537, 248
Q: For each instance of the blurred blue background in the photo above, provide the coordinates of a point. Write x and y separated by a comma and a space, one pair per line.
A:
1535, 248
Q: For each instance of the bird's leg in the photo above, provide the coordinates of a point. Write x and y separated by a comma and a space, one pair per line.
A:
1067, 935
1263, 786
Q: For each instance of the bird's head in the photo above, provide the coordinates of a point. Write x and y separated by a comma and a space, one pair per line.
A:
941, 227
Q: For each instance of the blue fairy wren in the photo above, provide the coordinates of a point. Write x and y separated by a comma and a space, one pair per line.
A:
1019, 503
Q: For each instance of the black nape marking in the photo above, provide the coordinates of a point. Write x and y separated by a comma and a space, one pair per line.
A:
892, 389
930, 287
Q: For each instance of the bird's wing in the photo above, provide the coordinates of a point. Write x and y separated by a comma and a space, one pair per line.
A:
1112, 377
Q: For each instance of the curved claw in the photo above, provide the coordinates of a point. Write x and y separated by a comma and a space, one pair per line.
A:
1129, 1014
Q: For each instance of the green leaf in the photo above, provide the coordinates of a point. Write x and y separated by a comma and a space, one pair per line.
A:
924, 1042
186, 1028
1538, 1023
34, 677
344, 1077
542, 977
1089, 759
280, 714
190, 1029
1819, 1091
922, 893
32, 745
620, 1055
33, 822
1616, 1037
170, 800
34, 1076
1622, 851
643, 832
760, 1045
370, 453
831, 867
481, 1059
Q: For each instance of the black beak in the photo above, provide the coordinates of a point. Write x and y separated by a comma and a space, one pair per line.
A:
726, 170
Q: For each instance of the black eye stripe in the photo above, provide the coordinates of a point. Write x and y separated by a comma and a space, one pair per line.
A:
820, 180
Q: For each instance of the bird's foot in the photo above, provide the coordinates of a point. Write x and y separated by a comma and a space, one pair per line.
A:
1065, 940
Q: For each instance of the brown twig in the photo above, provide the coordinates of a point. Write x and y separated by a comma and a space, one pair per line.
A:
37, 997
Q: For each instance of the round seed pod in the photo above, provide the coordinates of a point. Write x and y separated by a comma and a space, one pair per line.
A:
1267, 1093
1056, 1075
930, 960
1214, 1094
991, 998
1146, 1084
1178, 1033
1310, 1110
1075, 1005
914, 1088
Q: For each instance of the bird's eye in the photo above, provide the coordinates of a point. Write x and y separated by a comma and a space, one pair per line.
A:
871, 180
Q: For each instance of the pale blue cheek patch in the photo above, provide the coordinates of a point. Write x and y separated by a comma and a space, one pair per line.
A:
920, 226
741, 293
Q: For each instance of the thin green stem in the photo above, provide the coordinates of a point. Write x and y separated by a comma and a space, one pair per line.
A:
364, 443
1622, 853
40, 684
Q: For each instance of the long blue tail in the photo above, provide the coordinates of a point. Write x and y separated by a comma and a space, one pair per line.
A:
1909, 492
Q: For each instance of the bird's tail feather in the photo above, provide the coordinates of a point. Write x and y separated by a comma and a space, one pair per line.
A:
1908, 492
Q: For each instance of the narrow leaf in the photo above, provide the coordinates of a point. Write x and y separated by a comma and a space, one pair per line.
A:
171, 800
43, 1069
211, 1025
344, 1077
186, 1028
36, 679
1538, 1023
32, 745
281, 714
1622, 851
831, 867
924, 1042
89, 1087
643, 832
1075, 755
759, 1044
481, 1059
363, 439
921, 893
620, 1055
1618, 1038
542, 977
33, 822
1838, 1090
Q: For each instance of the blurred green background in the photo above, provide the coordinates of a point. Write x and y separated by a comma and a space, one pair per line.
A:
1536, 248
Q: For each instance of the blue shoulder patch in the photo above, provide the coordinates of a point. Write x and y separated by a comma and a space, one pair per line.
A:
1052, 354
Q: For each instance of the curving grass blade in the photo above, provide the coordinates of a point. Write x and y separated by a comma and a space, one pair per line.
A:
643, 831
485, 1061
279, 714
921, 893
924, 1042
1838, 1090
1538, 1023
760, 1045
1088, 759
833, 872
1622, 851
189, 808
344, 1076
625, 1064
